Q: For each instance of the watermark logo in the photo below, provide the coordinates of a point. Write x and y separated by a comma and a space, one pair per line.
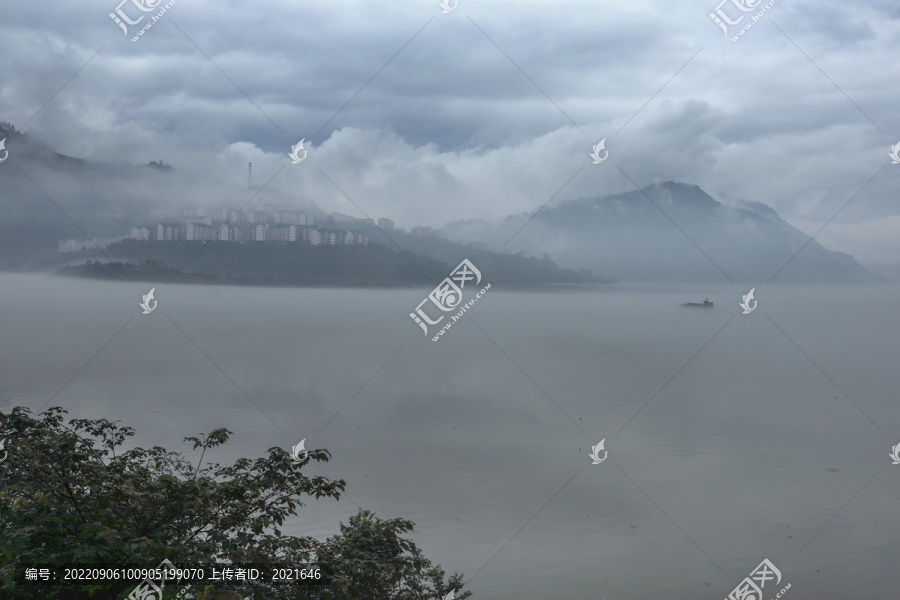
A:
123, 20
895, 454
152, 589
894, 154
595, 452
447, 297
295, 157
751, 587
596, 153
147, 299
6, 152
6, 454
747, 299
723, 20
299, 454
448, 5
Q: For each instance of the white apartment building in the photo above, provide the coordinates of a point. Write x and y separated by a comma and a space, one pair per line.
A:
71, 245
288, 217
139, 233
198, 231
236, 234
168, 232
283, 233
258, 233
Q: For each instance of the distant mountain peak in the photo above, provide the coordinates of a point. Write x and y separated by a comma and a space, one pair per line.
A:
670, 231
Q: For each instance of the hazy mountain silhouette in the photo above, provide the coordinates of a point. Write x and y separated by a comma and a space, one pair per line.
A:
669, 232
47, 196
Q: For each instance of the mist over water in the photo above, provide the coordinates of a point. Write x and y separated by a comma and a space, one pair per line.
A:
744, 454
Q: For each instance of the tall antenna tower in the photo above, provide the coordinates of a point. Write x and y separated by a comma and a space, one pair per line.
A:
249, 174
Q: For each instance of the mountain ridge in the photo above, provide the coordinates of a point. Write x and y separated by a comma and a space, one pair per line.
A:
666, 231
669, 231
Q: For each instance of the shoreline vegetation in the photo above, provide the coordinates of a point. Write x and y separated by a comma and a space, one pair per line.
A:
73, 494
289, 265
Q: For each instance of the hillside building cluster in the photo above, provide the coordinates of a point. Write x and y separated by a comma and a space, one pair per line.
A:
272, 225
220, 224
97, 242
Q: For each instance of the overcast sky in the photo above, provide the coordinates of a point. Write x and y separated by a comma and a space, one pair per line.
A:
484, 111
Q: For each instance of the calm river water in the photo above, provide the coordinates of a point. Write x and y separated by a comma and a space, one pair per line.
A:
758, 432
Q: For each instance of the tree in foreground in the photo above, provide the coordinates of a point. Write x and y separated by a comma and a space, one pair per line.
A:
70, 494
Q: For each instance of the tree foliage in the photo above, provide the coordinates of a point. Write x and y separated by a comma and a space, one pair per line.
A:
69, 493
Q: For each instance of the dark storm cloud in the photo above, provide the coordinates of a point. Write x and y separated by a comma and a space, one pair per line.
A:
451, 128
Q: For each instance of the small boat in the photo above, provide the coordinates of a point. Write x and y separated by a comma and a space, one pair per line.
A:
705, 304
